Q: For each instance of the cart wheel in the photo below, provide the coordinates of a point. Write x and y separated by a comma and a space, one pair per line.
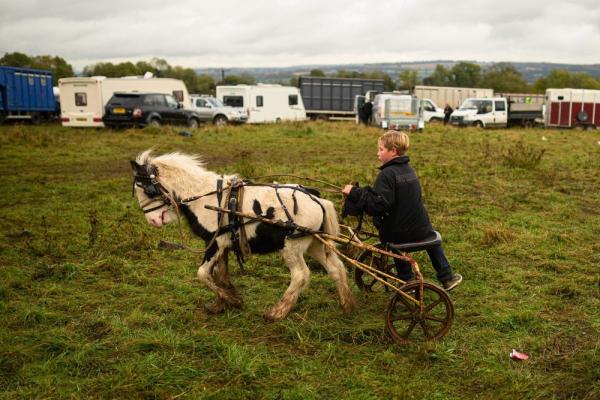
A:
366, 282
406, 324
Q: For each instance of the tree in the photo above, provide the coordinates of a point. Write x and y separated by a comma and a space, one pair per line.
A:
466, 74
205, 84
504, 78
15, 59
317, 72
408, 79
244, 79
57, 65
441, 76
559, 78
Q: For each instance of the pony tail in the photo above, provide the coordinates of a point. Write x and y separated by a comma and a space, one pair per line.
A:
330, 219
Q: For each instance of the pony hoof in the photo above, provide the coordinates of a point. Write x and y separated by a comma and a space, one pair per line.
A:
349, 308
273, 316
216, 308
235, 303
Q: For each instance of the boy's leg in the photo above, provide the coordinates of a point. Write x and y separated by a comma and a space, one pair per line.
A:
404, 269
440, 263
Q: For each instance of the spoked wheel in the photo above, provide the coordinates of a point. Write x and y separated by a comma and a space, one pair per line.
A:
383, 263
407, 324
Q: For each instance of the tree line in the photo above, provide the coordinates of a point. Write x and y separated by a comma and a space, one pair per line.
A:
502, 77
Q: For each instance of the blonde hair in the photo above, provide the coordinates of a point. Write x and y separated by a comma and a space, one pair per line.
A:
394, 140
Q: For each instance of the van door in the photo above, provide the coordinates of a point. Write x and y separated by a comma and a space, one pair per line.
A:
257, 108
500, 113
297, 111
485, 113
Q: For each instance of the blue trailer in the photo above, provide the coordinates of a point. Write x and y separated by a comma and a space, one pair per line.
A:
26, 94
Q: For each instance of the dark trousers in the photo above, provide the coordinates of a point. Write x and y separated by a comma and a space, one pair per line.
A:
438, 260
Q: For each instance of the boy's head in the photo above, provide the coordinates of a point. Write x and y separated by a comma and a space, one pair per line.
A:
392, 144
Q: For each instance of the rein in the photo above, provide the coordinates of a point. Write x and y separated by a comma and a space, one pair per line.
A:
146, 179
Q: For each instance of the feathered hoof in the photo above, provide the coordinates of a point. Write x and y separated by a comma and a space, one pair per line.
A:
349, 307
274, 314
215, 308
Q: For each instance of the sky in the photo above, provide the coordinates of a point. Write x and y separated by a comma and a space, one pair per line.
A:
278, 33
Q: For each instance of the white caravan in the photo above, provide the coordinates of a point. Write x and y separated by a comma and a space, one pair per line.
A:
82, 99
264, 103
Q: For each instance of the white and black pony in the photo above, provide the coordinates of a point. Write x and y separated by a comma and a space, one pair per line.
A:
165, 182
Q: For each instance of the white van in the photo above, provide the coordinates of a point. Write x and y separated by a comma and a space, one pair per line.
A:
431, 111
82, 99
264, 103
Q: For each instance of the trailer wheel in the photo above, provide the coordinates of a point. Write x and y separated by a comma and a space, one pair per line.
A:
36, 118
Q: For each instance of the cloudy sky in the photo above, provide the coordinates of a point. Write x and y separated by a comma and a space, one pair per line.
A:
262, 33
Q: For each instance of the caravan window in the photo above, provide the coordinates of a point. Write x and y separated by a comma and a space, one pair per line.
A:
178, 94
81, 99
293, 99
233, 101
259, 101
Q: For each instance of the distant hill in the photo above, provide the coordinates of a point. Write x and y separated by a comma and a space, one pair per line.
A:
531, 71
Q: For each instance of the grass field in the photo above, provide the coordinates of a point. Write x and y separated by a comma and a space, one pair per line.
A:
91, 308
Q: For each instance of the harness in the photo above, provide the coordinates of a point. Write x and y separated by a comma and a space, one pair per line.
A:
146, 178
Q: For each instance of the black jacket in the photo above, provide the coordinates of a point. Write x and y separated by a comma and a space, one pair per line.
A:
395, 202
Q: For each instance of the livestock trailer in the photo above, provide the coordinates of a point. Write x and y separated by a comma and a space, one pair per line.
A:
567, 108
26, 93
264, 102
333, 98
82, 99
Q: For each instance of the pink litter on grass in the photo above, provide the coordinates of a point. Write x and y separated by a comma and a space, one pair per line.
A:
515, 355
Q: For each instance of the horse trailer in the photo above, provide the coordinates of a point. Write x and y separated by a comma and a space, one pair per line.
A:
334, 98
455, 96
264, 103
82, 99
568, 108
26, 94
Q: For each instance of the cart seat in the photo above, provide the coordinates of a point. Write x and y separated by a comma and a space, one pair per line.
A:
434, 240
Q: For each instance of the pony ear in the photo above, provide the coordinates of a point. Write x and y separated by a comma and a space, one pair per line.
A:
134, 165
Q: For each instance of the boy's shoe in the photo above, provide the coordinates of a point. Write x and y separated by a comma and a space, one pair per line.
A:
452, 282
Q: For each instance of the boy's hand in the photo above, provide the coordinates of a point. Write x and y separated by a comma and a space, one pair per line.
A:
346, 190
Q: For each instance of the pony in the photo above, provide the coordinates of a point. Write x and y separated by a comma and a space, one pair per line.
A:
163, 184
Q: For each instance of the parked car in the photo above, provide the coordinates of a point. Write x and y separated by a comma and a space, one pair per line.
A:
214, 111
141, 109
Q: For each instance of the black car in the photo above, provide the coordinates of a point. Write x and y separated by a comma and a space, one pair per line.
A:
142, 109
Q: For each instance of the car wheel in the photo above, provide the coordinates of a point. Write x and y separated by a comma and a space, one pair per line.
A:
193, 123
154, 122
478, 124
220, 120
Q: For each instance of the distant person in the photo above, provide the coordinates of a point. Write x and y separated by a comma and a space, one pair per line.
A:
447, 112
367, 110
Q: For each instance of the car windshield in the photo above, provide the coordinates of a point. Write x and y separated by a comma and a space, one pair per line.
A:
215, 102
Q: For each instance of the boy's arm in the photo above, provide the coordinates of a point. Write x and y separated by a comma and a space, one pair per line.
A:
374, 201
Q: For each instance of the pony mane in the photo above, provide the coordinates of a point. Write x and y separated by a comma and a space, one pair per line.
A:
192, 163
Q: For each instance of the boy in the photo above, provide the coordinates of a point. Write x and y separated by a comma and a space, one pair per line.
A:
397, 208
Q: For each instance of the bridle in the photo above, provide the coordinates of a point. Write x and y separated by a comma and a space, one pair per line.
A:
146, 179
